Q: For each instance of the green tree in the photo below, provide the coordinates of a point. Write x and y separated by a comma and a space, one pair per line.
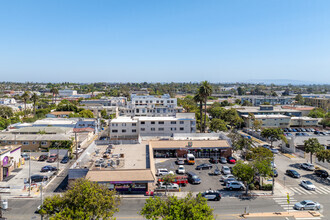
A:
218, 125
85, 200
317, 113
257, 124
246, 103
299, 99
216, 112
323, 155
54, 90
231, 116
172, 208
25, 98
86, 114
34, 99
244, 172
205, 90
312, 146
198, 99
167, 179
273, 134
240, 91
6, 112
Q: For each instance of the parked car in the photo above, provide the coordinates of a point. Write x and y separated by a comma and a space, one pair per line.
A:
307, 205
223, 160
303, 129
231, 179
25, 156
317, 132
204, 166
305, 134
52, 158
38, 178
275, 173
323, 133
307, 166
179, 161
162, 185
294, 130
231, 160
321, 173
225, 170
193, 178
180, 180
307, 185
273, 164
163, 172
214, 160
65, 159
181, 170
43, 157
211, 195
312, 129
224, 177
48, 168
274, 150
235, 185
292, 173
78, 151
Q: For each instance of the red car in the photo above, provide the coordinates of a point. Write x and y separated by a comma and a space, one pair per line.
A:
52, 158
231, 160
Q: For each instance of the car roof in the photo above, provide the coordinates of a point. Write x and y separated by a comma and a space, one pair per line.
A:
309, 201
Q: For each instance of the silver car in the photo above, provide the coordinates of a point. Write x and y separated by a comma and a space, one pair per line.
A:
307, 205
225, 170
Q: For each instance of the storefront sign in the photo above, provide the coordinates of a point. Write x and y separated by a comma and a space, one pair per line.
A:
120, 182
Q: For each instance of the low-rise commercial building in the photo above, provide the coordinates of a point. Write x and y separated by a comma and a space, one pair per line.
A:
10, 159
63, 114
272, 100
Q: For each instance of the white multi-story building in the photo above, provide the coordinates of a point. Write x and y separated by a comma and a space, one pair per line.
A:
133, 127
67, 92
7, 101
151, 106
113, 101
272, 100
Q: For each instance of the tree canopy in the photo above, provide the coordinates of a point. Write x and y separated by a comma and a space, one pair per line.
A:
317, 113
323, 155
218, 125
85, 200
172, 208
273, 134
312, 146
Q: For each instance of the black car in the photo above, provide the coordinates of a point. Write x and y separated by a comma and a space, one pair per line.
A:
65, 159
38, 178
214, 160
204, 166
48, 168
43, 157
193, 178
321, 173
293, 173
211, 195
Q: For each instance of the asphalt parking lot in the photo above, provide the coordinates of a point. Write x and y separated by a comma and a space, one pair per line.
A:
208, 181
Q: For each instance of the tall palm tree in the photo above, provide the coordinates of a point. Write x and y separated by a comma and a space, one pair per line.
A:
34, 99
199, 99
25, 97
54, 90
205, 90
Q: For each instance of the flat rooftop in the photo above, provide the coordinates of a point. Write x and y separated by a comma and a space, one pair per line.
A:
56, 121
123, 120
35, 137
184, 144
268, 116
144, 175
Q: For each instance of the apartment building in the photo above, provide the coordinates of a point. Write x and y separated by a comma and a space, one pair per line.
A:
151, 106
267, 110
281, 121
97, 109
318, 102
133, 127
67, 92
113, 101
272, 100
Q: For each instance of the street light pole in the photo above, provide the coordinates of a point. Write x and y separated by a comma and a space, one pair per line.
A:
58, 158
30, 174
75, 136
273, 175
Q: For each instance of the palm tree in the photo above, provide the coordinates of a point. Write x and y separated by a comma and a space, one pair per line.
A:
34, 99
199, 99
25, 97
54, 90
205, 90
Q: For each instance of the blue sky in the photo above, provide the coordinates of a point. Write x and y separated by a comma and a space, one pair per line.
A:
164, 41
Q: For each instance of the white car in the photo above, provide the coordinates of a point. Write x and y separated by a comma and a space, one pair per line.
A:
273, 164
307, 166
307, 185
224, 177
235, 185
169, 186
163, 172
181, 170
225, 170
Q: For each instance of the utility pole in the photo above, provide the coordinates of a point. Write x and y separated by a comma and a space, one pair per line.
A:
273, 175
58, 158
30, 174
75, 136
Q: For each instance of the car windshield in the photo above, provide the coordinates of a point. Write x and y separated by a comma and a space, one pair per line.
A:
309, 183
303, 202
195, 177
226, 168
294, 172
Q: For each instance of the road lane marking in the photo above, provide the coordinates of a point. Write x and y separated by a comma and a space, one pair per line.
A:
295, 191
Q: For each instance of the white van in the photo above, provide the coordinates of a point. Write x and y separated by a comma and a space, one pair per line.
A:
190, 159
163, 172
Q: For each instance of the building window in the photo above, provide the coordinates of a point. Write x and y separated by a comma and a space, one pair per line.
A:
123, 131
181, 129
43, 142
173, 122
25, 143
34, 142
143, 122
123, 124
173, 129
143, 129
114, 131
9, 142
152, 129
134, 124
160, 122
181, 122
160, 129
152, 122
134, 131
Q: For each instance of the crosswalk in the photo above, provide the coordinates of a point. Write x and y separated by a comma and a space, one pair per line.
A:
282, 201
302, 191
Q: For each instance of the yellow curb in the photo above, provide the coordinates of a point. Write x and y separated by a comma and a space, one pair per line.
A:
289, 155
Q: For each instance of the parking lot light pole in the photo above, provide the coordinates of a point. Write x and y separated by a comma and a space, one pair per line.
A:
30, 173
